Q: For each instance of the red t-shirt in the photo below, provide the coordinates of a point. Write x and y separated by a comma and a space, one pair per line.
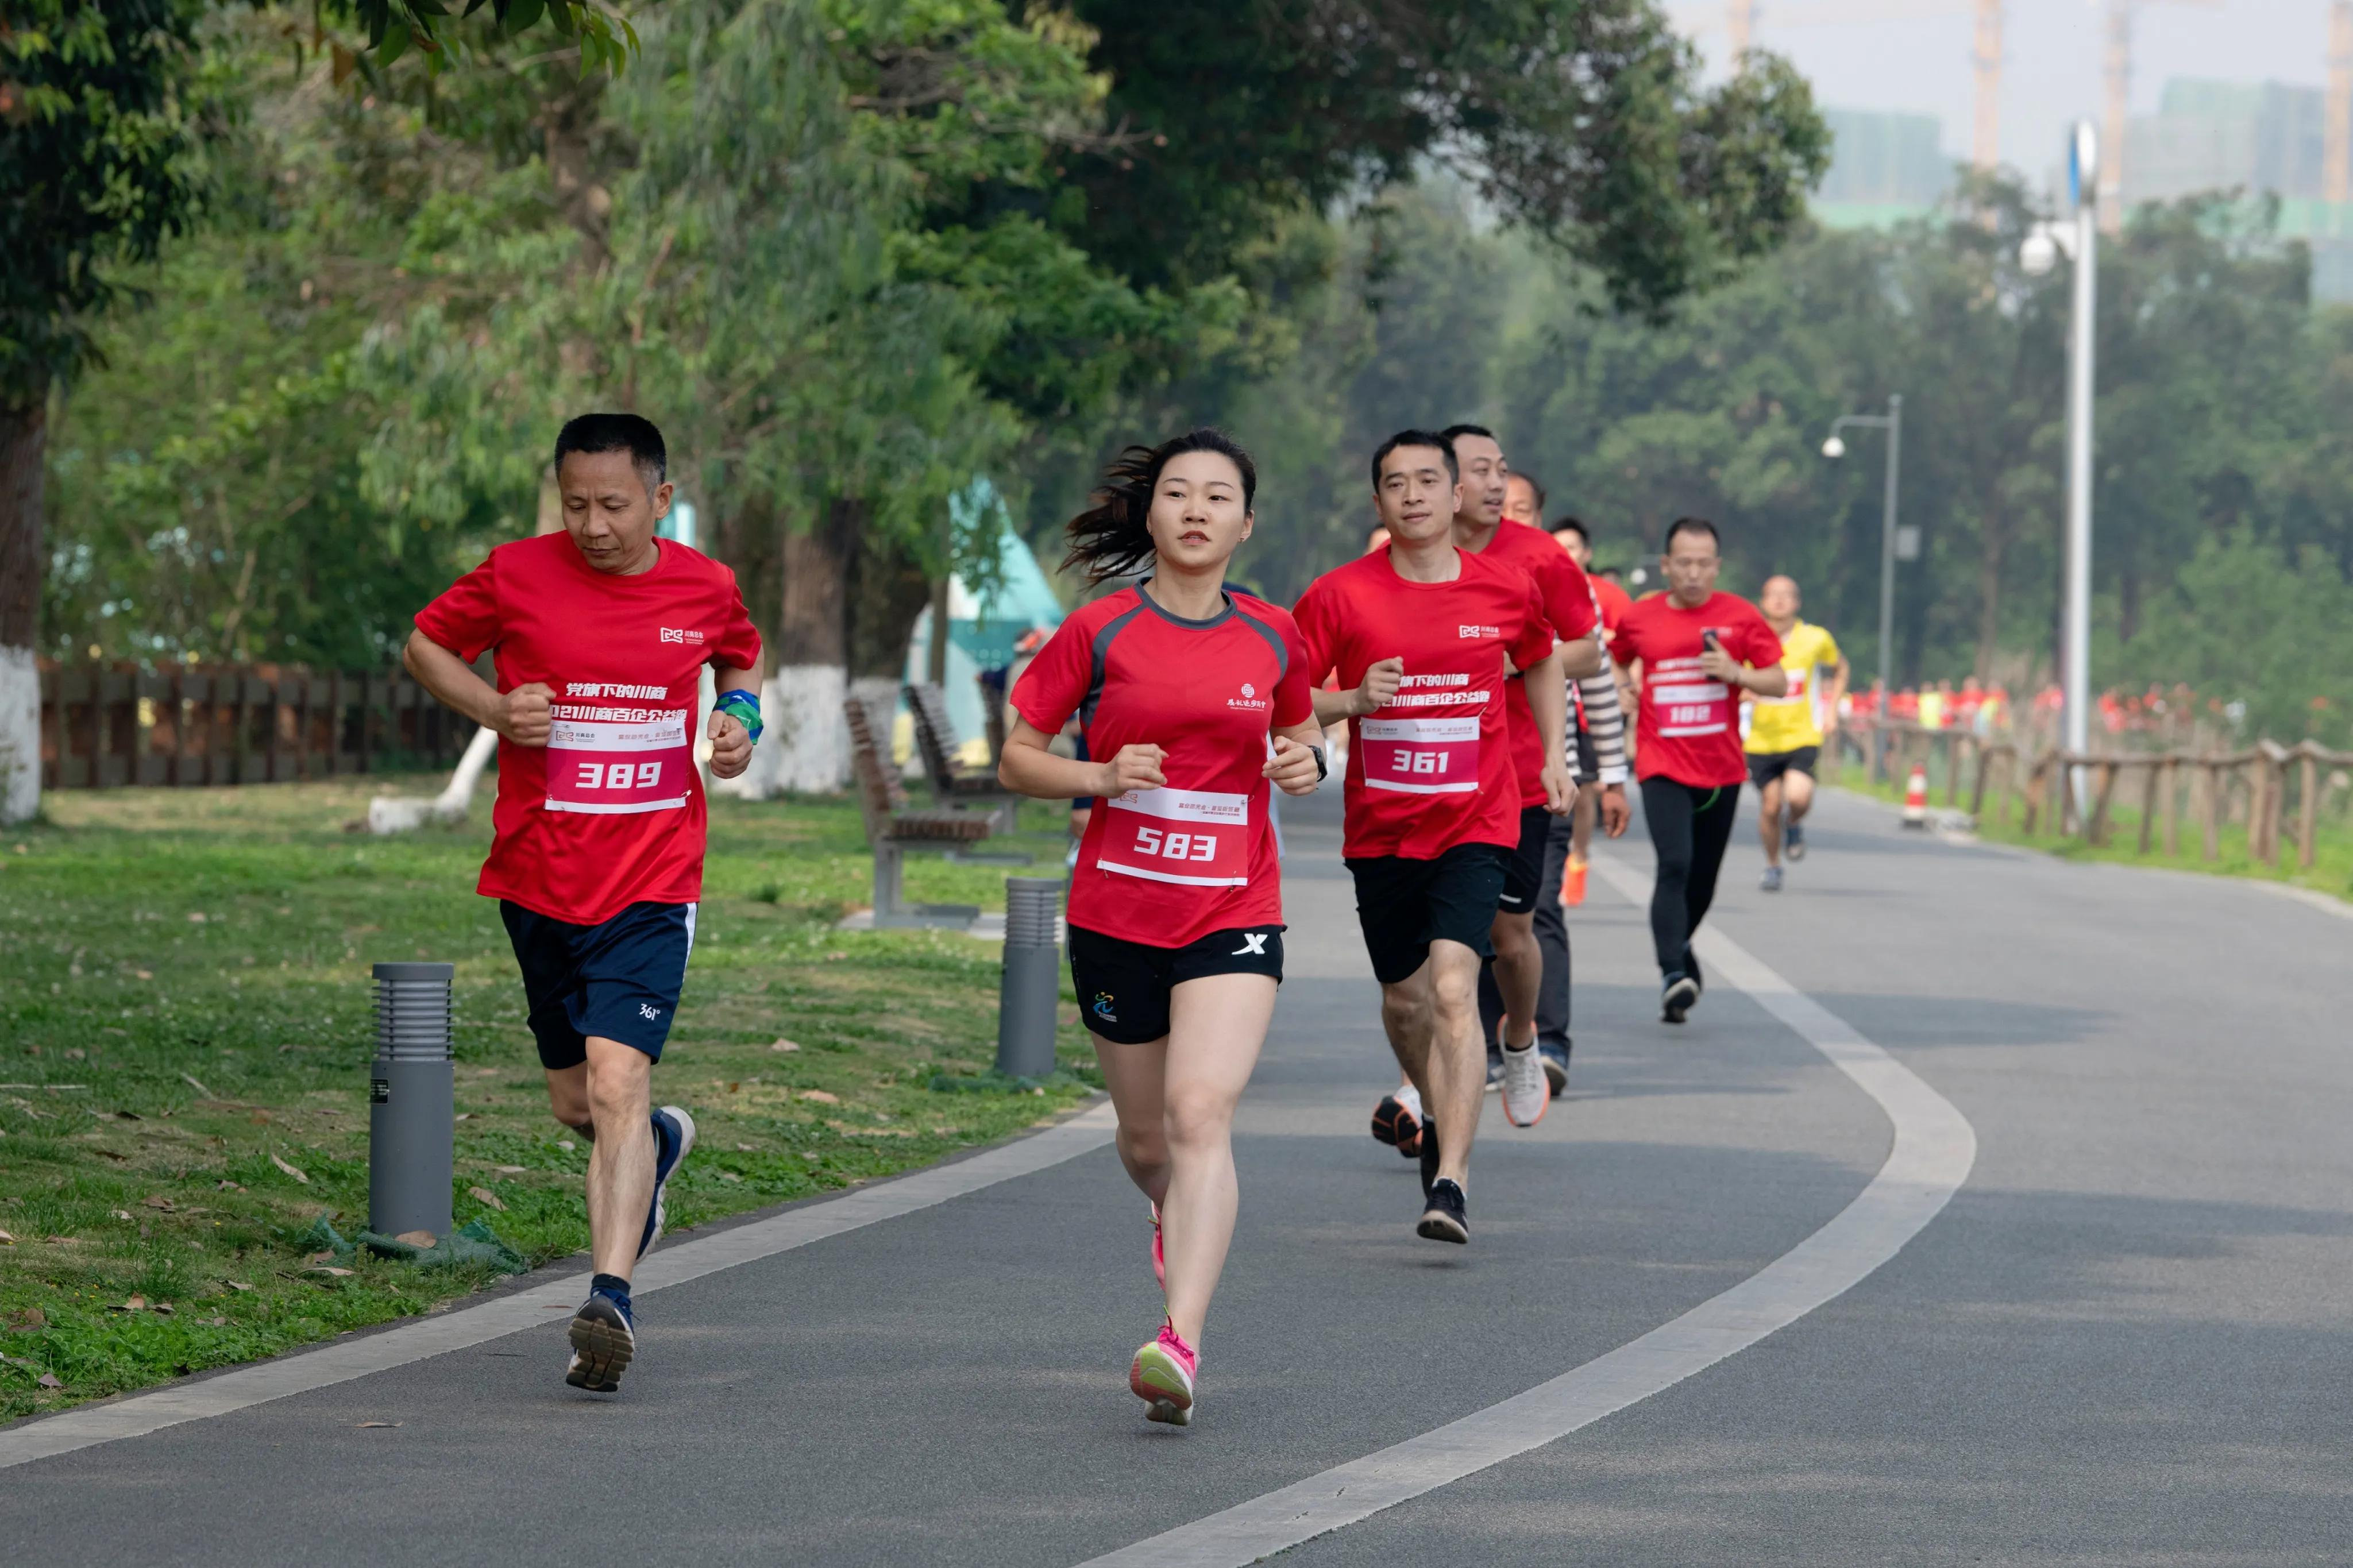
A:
609, 813
1169, 866
1433, 769
1614, 602
1569, 608
1688, 726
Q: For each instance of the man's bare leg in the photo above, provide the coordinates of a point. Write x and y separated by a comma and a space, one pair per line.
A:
619, 1083
1454, 1076
1769, 820
1519, 975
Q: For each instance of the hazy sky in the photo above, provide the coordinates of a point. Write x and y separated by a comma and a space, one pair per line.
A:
1917, 58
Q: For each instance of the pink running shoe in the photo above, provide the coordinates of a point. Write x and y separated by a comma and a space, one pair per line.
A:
1161, 1375
1159, 1259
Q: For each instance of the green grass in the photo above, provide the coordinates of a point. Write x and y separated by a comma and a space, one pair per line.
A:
185, 1002
2331, 872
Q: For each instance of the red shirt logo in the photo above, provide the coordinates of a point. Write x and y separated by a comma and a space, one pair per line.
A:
680, 635
1479, 632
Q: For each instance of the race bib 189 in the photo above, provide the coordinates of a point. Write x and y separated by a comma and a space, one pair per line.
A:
1686, 700
1420, 756
1198, 837
639, 760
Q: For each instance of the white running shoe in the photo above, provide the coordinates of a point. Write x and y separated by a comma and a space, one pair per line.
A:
1527, 1094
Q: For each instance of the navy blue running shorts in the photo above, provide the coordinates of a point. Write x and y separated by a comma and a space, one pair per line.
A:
619, 980
1405, 905
1123, 986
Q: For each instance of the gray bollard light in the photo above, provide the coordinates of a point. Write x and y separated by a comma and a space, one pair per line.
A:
1031, 985
412, 1100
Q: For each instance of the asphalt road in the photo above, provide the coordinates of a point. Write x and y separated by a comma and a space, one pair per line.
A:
2125, 1340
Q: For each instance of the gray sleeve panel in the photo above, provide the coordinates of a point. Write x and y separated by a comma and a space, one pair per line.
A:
1273, 640
1102, 656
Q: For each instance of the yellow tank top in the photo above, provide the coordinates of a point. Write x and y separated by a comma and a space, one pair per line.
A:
1788, 723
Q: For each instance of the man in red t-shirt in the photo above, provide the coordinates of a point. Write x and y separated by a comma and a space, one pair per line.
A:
1420, 634
1516, 978
1691, 650
600, 634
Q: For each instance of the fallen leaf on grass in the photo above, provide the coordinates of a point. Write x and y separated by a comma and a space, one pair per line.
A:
130, 1116
734, 1087
7, 1240
165, 1308
785, 1046
289, 1169
745, 1147
566, 1144
365, 1424
324, 1269
158, 1201
484, 1195
463, 1116
119, 1213
144, 973
214, 1322
509, 1170
49, 1380
32, 1317
229, 1186
319, 1257
819, 1096
110, 1154
136, 1304
729, 1177
418, 1238
201, 1091
236, 1284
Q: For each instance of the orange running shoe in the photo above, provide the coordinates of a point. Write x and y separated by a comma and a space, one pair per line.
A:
1572, 883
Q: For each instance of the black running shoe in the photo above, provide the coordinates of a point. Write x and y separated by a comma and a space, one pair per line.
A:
602, 1344
1556, 1065
1691, 967
1793, 840
1445, 1216
1428, 1156
1676, 998
1398, 1123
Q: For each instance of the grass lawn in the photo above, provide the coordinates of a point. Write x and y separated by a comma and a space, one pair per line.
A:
186, 1026
2331, 872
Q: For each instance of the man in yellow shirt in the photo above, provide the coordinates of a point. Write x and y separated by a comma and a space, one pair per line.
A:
1786, 734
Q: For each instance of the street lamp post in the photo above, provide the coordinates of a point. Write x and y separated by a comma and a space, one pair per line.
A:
2078, 240
1893, 423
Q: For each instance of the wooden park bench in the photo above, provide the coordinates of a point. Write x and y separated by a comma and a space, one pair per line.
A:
935, 742
891, 829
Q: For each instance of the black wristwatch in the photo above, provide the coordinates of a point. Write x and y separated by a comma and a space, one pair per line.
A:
1323, 768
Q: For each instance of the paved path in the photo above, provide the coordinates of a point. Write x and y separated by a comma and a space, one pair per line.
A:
2125, 1341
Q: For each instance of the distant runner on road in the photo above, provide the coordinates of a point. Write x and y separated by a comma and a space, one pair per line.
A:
1787, 733
1192, 697
1690, 649
600, 633
1420, 634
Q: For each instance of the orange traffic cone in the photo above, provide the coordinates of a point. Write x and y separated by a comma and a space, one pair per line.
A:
1915, 798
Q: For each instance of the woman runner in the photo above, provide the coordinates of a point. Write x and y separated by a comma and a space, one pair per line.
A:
1194, 697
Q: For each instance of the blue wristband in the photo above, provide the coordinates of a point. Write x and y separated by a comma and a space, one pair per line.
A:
742, 706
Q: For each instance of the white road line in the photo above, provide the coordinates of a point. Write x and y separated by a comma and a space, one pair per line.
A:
674, 1264
1933, 1150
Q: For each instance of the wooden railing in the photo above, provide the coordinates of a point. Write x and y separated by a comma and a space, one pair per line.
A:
103, 727
2251, 787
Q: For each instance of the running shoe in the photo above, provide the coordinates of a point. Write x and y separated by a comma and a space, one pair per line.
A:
1691, 967
1771, 882
1159, 1259
1161, 1375
1494, 1066
673, 1141
1556, 1065
1572, 884
1676, 998
1397, 1121
1445, 1216
1793, 839
602, 1341
1527, 1095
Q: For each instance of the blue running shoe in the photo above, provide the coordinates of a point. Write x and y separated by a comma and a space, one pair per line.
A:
1556, 1065
673, 1141
602, 1342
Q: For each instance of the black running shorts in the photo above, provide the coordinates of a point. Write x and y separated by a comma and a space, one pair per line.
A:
1524, 869
1405, 905
1764, 767
619, 980
1123, 986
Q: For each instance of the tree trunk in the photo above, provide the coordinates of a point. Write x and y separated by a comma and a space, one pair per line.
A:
803, 703
23, 434
889, 590
1993, 527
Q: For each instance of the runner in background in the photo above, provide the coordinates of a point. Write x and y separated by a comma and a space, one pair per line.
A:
1604, 714
1192, 697
1420, 633
1690, 649
600, 633
1787, 733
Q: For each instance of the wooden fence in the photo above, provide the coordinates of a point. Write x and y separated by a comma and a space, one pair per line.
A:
103, 727
2252, 786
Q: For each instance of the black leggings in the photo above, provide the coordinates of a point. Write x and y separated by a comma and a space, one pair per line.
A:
1690, 826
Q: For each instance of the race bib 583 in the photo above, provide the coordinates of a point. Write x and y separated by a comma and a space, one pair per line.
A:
1197, 837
